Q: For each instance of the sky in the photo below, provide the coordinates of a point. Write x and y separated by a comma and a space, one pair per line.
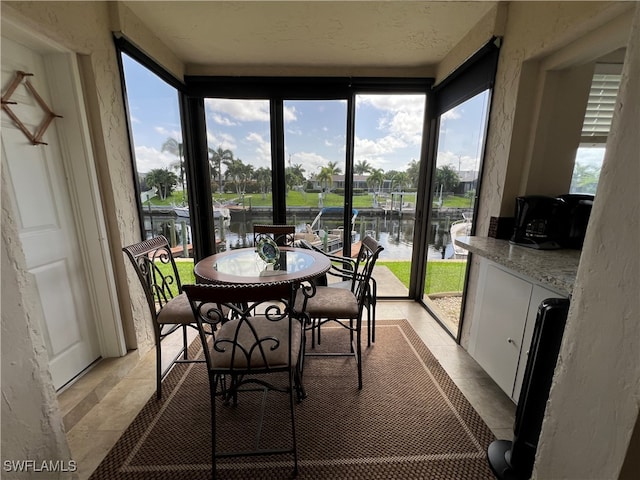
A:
388, 128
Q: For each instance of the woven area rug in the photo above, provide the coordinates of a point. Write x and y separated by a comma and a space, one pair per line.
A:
408, 422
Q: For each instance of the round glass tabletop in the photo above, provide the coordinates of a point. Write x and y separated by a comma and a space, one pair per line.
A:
246, 266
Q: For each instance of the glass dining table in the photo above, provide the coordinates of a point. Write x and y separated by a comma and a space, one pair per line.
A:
244, 266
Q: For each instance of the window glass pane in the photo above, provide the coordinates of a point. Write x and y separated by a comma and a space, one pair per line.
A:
586, 171
239, 151
159, 161
315, 135
388, 140
459, 157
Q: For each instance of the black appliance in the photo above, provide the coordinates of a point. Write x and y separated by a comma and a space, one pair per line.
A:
513, 460
578, 208
540, 222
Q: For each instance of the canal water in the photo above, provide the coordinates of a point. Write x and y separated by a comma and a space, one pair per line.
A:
395, 234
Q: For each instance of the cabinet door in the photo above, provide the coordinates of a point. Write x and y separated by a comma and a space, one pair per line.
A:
500, 325
538, 295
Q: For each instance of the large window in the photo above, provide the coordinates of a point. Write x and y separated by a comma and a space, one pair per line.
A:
455, 183
340, 158
239, 155
462, 107
159, 161
387, 157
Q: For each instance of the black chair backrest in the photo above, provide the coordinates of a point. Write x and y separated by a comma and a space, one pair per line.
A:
367, 256
283, 235
156, 269
229, 317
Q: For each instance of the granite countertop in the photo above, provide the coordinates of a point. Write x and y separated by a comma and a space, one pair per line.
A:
555, 269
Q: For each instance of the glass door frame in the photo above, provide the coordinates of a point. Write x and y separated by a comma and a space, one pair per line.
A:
475, 75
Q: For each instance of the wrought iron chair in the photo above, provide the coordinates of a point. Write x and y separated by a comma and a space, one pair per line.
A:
283, 235
170, 309
248, 332
345, 271
321, 304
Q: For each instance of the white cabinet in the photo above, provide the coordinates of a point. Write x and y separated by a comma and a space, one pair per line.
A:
503, 320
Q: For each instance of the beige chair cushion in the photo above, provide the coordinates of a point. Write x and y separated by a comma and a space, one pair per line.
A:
329, 302
346, 284
177, 311
276, 358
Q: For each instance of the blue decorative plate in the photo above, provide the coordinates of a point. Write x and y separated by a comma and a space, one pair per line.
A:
268, 250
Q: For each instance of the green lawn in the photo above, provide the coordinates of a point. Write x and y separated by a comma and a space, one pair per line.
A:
442, 275
301, 199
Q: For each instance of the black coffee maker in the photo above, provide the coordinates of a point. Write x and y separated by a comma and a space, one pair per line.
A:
540, 222
578, 211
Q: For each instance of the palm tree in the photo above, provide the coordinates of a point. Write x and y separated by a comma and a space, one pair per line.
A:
334, 168
375, 179
400, 181
413, 170
325, 178
216, 159
447, 177
262, 176
174, 147
239, 173
361, 167
163, 179
294, 176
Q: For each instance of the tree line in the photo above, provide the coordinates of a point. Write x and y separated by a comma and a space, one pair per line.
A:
242, 178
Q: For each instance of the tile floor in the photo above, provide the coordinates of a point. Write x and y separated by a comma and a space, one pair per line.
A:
99, 406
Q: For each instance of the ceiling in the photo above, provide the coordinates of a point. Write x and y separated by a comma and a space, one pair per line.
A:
354, 34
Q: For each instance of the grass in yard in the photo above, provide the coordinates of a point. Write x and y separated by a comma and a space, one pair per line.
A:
294, 199
304, 199
185, 271
442, 275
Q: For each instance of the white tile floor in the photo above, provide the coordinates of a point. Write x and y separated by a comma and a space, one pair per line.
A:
100, 405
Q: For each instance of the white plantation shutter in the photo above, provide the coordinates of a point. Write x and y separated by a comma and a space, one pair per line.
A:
602, 101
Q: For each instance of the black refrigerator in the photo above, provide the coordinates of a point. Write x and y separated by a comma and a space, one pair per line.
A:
513, 459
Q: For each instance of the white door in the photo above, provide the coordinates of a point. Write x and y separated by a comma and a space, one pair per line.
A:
45, 220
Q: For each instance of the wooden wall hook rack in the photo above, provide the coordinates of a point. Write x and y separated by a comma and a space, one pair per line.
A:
35, 138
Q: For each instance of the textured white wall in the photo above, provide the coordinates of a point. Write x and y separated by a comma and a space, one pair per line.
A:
595, 395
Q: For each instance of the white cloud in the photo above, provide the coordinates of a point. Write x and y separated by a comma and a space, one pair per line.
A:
148, 158
220, 120
407, 126
455, 161
222, 140
175, 134
394, 103
238, 110
290, 114
312, 162
452, 114
262, 148
365, 147
400, 122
